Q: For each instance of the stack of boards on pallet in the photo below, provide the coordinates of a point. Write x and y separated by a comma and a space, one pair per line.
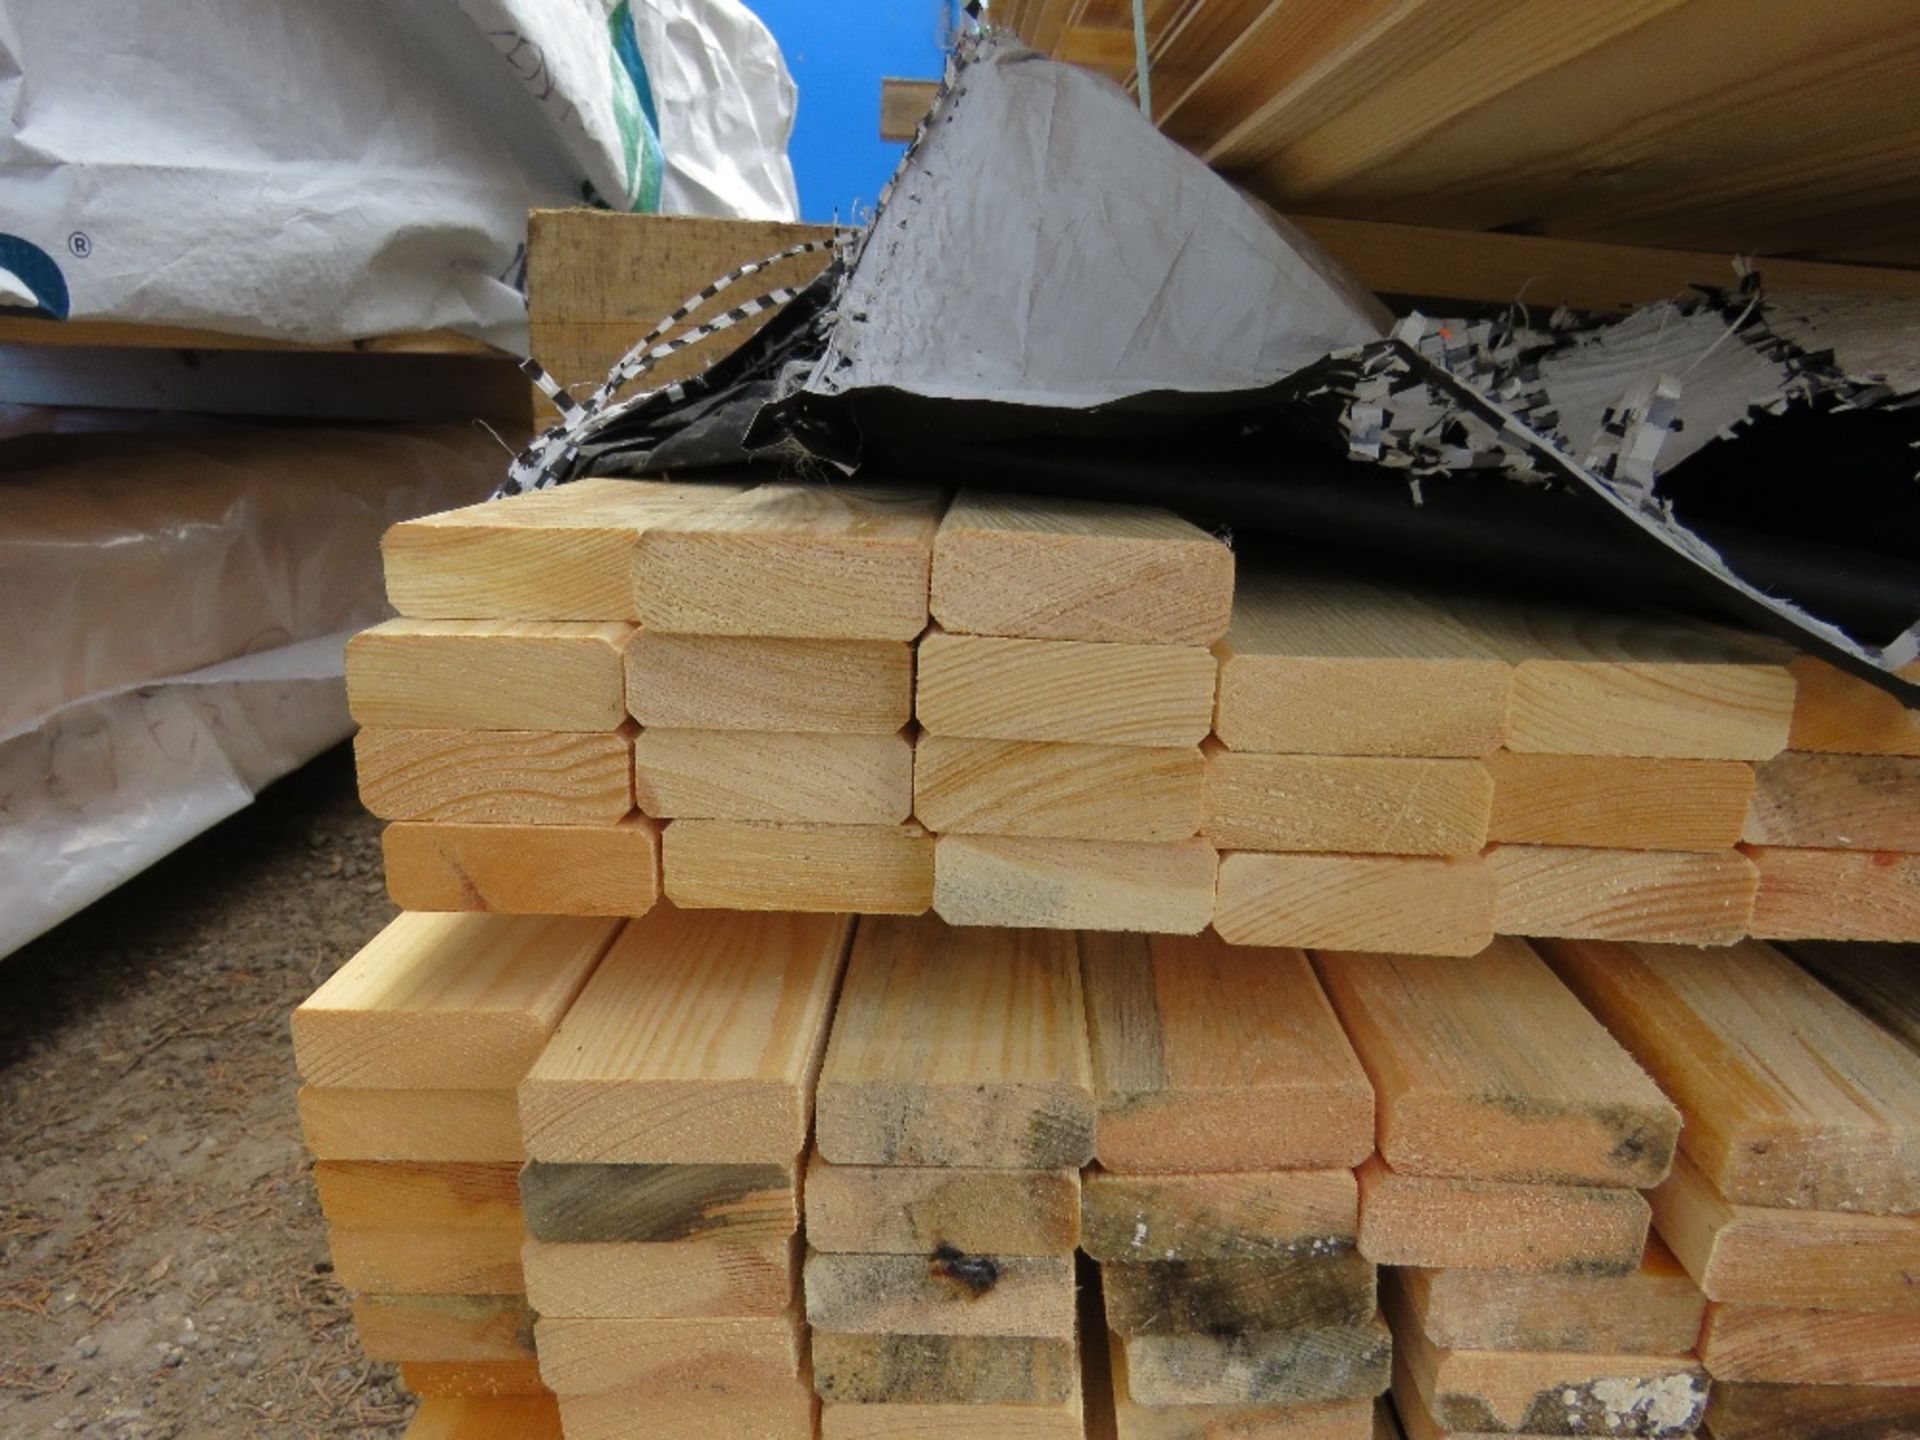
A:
1034, 713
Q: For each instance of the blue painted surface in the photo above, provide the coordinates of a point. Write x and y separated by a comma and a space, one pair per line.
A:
838, 50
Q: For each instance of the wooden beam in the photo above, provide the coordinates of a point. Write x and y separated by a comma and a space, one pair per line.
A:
401, 1195
464, 1328
1074, 884
747, 682
1881, 982
818, 869
623, 1415
672, 1359
574, 1203
496, 777
488, 675
1836, 802
1258, 1214
1131, 1420
1838, 713
479, 1127
1399, 904
904, 1210
1068, 792
478, 1379
1799, 1346
1687, 897
971, 1294
609, 870
663, 1280
1618, 802
428, 1262
903, 105
1241, 1296
945, 1370
1835, 894
1813, 1412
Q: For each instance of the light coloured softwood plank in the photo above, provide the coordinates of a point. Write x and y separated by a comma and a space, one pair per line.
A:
1814, 1412
496, 777
1547, 1392
696, 1042
446, 1002
1880, 981
780, 1414
1254, 1215
1069, 792
473, 1329
903, 105
676, 1279
1836, 802
1838, 714
1275, 1367
1071, 691
516, 1417
1075, 884
1821, 1259
1835, 894
1441, 1224
944, 1369
1654, 1309
524, 869
488, 675
1130, 1420
1238, 1296
402, 1195
658, 1204
1399, 904
800, 561
1687, 897
832, 869
427, 1262
1043, 568
759, 775
946, 1292
953, 1422
1211, 1057
957, 1047
1618, 802
1778, 1345
475, 1379
748, 682
1791, 1096
434, 1126
899, 1210
562, 554
1488, 1068
742, 1356
1314, 666
1365, 804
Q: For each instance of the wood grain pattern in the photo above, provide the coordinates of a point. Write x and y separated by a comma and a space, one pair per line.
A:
1275, 1367
1814, 1412
427, 1262
1398, 904
1384, 805
528, 1417
1071, 691
941, 1294
957, 1047
899, 1210
1488, 1068
1256, 1215
712, 1358
831, 869
488, 675
1685, 897
1618, 802
403, 1195
1070, 792
446, 1002
1209, 1057
944, 1369
524, 869
1835, 894
658, 1204
675, 1279
472, 1379
746, 682
495, 777
1835, 713
794, 560
1238, 1296
1791, 1097
1836, 802
1074, 884
1881, 982
757, 775
1130, 1420
1051, 569
696, 1042
1785, 1346
453, 1328
437, 1126
776, 1414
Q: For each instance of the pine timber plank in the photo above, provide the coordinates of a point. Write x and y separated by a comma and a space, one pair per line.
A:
753, 865
1785, 1346
1399, 904
472, 1329
1835, 894
562, 554
903, 105
945, 1293
1836, 802
516, 1417
1880, 981
742, 1356
524, 869
1328, 1420
676, 1279
1238, 1296
1074, 884
1442, 1224
479, 1127
1043, 568
658, 1204
1078, 692
1791, 1097
1208, 1057
1839, 714
761, 775
427, 1262
1814, 1412
696, 1042
839, 562
1069, 792
488, 675
403, 1195
1314, 666
944, 1369
1655, 1309
750, 682
1488, 1068
1275, 1367
496, 777
446, 1002
472, 1379
1375, 804
953, 1422
1618, 802
781, 1414
1686, 897
1826, 1259
1256, 1215
899, 1210
957, 1047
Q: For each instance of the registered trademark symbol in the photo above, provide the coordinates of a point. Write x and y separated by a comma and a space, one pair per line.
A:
80, 244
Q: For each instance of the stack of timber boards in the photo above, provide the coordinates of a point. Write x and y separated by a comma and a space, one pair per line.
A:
410, 1054
1514, 1136
1223, 1210
666, 1125
1795, 1204
954, 1112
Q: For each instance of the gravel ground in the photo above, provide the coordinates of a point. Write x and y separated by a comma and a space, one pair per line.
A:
163, 1265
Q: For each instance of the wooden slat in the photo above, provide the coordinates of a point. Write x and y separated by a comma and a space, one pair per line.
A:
474, 1329
436, 1126
1074, 884
1685, 897
1381, 805
496, 777
533, 1417
944, 1370
668, 1280
903, 104
1813, 1412
897, 1421
745, 1356
1836, 802
762, 775
830, 869
1840, 714
1618, 802
488, 675
477, 1379
367, 1195
1239, 1296
945, 1293
743, 682
1069, 792
1393, 903
1835, 894
592, 1204
1331, 1420
618, 1415
524, 869
1880, 981
1782, 1346
902, 1210
427, 1262
1251, 1215
1275, 1367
